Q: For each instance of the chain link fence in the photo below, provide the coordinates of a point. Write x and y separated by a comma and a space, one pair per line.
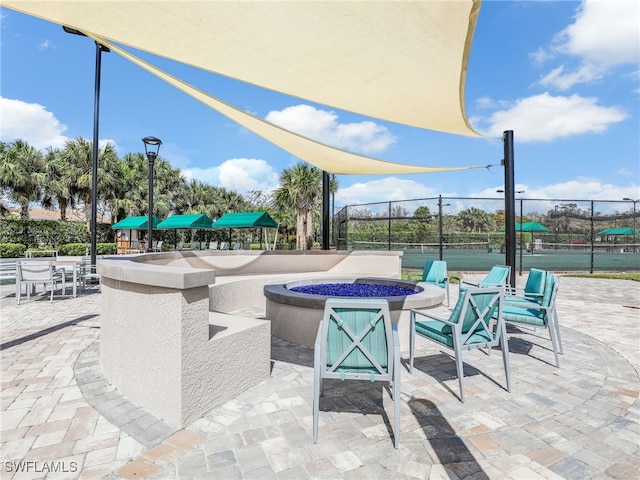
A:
557, 234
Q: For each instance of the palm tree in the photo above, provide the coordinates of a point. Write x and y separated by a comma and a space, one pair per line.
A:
21, 174
58, 187
300, 189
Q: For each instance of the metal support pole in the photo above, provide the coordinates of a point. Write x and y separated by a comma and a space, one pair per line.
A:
440, 245
151, 159
94, 170
325, 210
389, 230
521, 222
592, 239
509, 205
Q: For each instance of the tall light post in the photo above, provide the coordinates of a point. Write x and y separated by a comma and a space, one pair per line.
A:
151, 149
94, 170
634, 219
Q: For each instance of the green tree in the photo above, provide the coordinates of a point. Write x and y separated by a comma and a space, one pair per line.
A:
300, 189
21, 175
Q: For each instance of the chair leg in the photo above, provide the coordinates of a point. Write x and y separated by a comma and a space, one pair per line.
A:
316, 394
460, 368
556, 324
504, 345
412, 341
552, 334
396, 397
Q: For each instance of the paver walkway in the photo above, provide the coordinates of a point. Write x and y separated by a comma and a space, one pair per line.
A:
580, 421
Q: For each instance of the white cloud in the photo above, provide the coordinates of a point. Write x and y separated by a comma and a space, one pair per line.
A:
383, 190
543, 118
323, 126
604, 35
238, 174
625, 172
30, 122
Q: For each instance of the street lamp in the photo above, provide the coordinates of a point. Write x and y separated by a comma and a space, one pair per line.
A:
94, 169
634, 219
521, 222
151, 149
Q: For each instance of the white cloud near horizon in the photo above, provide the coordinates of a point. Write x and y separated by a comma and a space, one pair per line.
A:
604, 35
323, 126
32, 123
544, 118
241, 175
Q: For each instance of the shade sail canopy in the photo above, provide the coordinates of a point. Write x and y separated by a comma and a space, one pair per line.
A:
529, 227
196, 221
618, 231
245, 220
135, 223
404, 62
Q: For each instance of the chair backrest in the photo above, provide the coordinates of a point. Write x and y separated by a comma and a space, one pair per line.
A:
224, 246
180, 245
194, 246
550, 291
435, 271
236, 246
356, 339
213, 245
479, 314
534, 287
498, 275
35, 270
159, 245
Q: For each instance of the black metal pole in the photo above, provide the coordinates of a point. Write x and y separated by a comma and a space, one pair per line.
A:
152, 160
592, 238
521, 222
509, 205
389, 230
94, 170
440, 246
325, 210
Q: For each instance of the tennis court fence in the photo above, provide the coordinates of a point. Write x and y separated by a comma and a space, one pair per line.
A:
564, 234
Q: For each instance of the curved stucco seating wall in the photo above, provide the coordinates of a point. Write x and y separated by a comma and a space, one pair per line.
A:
168, 342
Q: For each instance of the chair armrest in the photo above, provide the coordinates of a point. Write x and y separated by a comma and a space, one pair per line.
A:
432, 317
316, 344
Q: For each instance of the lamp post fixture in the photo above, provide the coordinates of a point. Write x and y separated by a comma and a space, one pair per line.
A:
94, 169
634, 219
151, 149
521, 222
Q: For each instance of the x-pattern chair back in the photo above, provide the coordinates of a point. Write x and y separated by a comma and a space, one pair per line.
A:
357, 355
356, 340
479, 311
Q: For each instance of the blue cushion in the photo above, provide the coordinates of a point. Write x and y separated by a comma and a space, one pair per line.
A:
530, 316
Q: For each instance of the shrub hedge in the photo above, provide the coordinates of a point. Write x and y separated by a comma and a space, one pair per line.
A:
53, 233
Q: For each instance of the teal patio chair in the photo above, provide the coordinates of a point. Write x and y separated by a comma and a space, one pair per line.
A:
533, 289
356, 340
539, 314
435, 273
476, 321
497, 276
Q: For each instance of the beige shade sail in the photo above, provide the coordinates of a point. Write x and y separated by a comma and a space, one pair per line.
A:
400, 61
325, 157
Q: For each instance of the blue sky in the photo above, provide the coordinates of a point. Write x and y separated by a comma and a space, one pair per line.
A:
563, 75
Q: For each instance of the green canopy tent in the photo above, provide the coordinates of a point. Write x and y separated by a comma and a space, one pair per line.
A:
529, 227
132, 223
247, 220
619, 231
194, 221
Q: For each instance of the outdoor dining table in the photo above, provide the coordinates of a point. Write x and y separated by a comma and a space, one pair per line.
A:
72, 265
